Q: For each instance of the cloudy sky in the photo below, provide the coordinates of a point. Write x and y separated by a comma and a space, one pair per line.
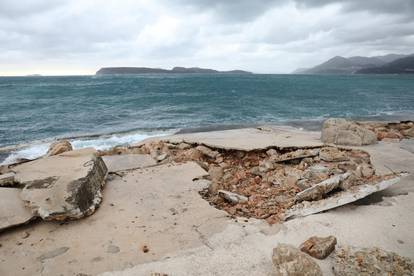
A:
58, 37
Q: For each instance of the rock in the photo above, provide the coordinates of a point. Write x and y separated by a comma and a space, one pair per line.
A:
64, 186
319, 247
364, 170
12, 209
183, 146
216, 173
208, 152
58, 147
370, 261
408, 132
116, 163
319, 190
213, 188
271, 152
7, 179
297, 154
265, 166
318, 169
232, 197
161, 157
388, 134
331, 154
343, 132
290, 261
307, 208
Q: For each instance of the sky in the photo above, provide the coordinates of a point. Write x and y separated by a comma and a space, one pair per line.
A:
77, 37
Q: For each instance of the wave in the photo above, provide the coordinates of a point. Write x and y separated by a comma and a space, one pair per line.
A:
37, 149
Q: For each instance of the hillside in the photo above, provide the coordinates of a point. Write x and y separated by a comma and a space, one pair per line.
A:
175, 70
400, 66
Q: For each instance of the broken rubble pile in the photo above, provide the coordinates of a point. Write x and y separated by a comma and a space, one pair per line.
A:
266, 183
391, 130
370, 261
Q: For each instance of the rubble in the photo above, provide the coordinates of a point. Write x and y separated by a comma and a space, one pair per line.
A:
232, 197
207, 151
289, 260
370, 261
319, 247
390, 130
58, 147
344, 132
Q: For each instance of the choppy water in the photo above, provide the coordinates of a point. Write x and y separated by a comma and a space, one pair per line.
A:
35, 110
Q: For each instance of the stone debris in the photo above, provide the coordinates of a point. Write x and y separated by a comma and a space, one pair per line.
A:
123, 162
207, 151
58, 147
12, 209
332, 154
319, 247
354, 193
7, 179
64, 186
390, 130
232, 197
297, 154
370, 261
321, 189
344, 132
290, 261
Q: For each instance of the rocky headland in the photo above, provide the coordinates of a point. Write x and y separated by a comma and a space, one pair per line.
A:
256, 201
175, 70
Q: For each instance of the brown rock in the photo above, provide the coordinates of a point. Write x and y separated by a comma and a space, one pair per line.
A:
408, 132
290, 261
318, 247
208, 152
216, 173
331, 154
343, 132
390, 134
59, 147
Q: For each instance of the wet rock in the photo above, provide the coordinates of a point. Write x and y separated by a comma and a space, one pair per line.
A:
331, 154
370, 261
7, 179
319, 247
319, 190
58, 147
232, 197
343, 132
64, 186
290, 261
117, 163
208, 152
12, 209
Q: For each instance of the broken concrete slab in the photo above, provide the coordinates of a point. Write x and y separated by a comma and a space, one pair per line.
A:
247, 139
64, 186
12, 209
7, 179
306, 208
116, 163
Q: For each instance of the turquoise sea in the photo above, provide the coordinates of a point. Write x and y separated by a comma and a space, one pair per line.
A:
103, 111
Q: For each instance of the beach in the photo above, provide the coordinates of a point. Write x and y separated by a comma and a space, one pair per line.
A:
152, 219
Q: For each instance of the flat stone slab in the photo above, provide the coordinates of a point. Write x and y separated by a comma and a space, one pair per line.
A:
408, 145
12, 209
116, 163
64, 186
250, 138
355, 193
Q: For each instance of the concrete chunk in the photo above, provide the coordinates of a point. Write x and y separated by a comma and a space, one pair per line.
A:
116, 163
12, 209
64, 186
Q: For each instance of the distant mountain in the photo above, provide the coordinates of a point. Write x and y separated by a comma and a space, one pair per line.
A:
403, 65
351, 65
175, 70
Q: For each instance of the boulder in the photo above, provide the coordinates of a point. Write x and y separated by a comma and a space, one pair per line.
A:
64, 186
290, 261
370, 261
58, 147
319, 247
343, 132
12, 209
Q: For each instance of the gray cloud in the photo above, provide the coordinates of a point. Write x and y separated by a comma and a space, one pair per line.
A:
77, 36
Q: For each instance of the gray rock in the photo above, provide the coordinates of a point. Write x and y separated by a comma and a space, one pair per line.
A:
232, 197
343, 132
208, 152
12, 209
319, 247
116, 163
64, 186
290, 261
370, 261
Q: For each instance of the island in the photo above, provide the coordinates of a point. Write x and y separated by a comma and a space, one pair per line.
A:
175, 70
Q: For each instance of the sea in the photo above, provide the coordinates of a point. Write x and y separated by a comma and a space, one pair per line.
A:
108, 110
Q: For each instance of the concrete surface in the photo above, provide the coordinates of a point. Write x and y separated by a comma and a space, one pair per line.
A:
116, 163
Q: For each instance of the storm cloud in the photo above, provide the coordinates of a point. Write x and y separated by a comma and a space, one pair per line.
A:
264, 36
